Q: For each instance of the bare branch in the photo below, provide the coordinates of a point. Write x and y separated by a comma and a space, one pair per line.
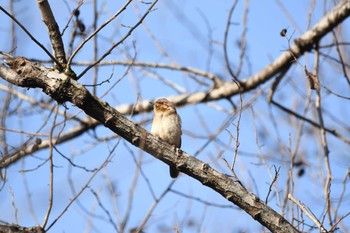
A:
120, 41
54, 32
54, 84
32, 37
228, 25
307, 213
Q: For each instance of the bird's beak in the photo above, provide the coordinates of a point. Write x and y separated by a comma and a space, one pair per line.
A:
152, 103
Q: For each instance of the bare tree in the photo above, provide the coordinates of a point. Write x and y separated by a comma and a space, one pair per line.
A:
272, 142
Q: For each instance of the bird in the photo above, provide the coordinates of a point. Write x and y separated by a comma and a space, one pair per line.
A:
167, 126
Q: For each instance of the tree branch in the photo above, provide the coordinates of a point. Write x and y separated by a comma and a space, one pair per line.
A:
13, 228
54, 31
61, 88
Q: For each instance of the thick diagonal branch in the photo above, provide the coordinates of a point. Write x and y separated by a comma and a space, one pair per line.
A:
61, 88
224, 90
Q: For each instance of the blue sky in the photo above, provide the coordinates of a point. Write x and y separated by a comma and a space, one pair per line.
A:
182, 28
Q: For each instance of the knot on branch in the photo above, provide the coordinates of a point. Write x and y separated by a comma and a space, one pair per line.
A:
17, 228
304, 45
63, 92
26, 69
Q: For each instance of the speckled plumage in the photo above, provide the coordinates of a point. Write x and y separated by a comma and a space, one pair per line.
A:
167, 126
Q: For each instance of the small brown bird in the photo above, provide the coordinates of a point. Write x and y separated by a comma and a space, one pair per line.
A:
167, 126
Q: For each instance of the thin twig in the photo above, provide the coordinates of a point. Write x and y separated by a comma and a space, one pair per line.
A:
227, 29
133, 186
123, 8
14, 204
95, 44
341, 196
337, 222
24, 132
341, 57
243, 39
188, 69
47, 215
327, 184
80, 3
204, 202
311, 122
150, 9
110, 219
80, 192
31, 37
309, 214
272, 182
154, 205
237, 127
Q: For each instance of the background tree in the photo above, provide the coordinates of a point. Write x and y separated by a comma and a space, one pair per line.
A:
262, 92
